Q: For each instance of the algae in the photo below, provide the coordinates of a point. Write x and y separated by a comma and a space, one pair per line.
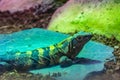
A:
101, 18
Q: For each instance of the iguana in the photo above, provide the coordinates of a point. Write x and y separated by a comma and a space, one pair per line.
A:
55, 54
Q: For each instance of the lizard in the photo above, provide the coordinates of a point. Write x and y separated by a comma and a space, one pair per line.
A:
38, 58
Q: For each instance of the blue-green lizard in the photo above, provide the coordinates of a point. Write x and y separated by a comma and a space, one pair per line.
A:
55, 54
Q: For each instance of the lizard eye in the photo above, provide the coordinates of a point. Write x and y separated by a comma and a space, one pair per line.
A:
79, 38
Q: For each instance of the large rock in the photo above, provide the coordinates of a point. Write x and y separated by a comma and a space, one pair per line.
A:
35, 38
18, 5
14, 5
96, 16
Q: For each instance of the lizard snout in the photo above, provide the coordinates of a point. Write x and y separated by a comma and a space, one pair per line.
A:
88, 37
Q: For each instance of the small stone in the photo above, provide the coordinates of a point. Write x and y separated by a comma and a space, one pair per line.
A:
109, 71
116, 47
117, 67
118, 64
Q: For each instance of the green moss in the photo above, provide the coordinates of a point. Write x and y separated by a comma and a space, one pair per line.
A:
102, 18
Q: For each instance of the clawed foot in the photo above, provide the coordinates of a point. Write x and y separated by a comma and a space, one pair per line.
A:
65, 62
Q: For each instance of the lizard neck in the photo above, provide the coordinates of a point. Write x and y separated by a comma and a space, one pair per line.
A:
63, 47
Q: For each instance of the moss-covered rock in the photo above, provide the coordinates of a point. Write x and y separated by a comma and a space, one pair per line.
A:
101, 17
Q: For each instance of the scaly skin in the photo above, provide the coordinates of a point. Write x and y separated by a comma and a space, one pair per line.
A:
44, 57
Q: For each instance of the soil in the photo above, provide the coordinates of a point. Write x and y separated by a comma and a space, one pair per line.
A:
112, 67
23, 20
33, 18
24, 76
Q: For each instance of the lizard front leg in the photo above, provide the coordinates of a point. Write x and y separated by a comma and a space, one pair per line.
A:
65, 61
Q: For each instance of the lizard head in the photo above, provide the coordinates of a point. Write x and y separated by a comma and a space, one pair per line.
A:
76, 44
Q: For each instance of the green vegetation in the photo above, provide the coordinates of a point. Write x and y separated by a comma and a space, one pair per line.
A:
101, 18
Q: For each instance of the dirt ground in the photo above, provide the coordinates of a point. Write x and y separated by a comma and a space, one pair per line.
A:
31, 18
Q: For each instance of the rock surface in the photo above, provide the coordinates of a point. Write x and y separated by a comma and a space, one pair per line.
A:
18, 5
